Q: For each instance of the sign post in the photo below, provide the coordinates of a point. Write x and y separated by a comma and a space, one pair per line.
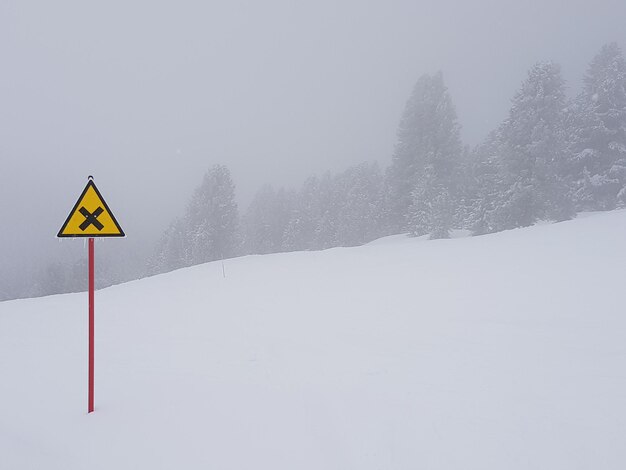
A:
92, 292
91, 218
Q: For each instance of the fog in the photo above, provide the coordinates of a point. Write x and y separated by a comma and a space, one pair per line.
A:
146, 96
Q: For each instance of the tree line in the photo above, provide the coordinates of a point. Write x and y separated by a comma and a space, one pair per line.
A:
551, 158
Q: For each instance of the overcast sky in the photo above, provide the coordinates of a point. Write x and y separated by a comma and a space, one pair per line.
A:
146, 95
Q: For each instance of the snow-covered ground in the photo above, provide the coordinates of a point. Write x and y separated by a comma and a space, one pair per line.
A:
505, 351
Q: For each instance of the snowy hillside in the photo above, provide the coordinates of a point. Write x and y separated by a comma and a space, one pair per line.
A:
505, 351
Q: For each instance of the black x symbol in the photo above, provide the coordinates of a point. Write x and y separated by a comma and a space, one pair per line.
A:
91, 219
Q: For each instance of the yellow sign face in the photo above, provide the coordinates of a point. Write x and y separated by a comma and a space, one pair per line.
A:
91, 217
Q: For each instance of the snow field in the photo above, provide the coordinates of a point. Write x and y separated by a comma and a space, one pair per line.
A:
500, 351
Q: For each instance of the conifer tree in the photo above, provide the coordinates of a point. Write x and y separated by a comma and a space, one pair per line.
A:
170, 252
598, 134
207, 231
531, 153
484, 184
360, 188
424, 174
266, 220
212, 218
301, 229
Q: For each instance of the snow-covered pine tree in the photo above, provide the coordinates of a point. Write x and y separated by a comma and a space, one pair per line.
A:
266, 220
361, 187
424, 173
598, 134
303, 220
327, 203
212, 218
171, 251
532, 155
257, 222
484, 185
465, 189
335, 210
432, 210
208, 229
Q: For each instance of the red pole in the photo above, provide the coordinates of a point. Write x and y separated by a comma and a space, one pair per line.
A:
91, 324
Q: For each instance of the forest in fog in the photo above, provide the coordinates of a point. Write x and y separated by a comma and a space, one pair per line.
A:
551, 158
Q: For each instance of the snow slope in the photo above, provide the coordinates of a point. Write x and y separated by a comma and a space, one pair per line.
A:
505, 351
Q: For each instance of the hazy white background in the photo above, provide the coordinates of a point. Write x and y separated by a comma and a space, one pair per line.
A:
147, 95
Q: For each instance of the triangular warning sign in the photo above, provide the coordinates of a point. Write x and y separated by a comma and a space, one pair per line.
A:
91, 217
